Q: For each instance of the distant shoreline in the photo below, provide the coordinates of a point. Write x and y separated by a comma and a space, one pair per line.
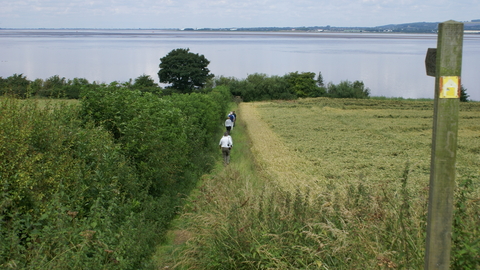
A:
248, 30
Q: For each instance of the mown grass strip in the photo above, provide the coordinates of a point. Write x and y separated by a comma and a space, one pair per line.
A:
277, 161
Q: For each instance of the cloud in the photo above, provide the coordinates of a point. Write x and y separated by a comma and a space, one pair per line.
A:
228, 13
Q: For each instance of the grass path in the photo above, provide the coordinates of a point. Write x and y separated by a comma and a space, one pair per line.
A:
258, 155
214, 196
279, 163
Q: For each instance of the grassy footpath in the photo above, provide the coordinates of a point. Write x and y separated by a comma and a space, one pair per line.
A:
225, 187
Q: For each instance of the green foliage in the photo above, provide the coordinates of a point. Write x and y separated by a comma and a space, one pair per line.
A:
463, 94
258, 87
262, 87
466, 224
320, 82
145, 83
304, 85
15, 85
166, 138
272, 229
54, 86
95, 186
159, 134
185, 71
69, 197
59, 87
151, 131
347, 89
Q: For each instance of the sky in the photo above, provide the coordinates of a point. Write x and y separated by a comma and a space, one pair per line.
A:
229, 13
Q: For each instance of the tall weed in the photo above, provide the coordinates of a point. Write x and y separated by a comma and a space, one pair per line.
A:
466, 224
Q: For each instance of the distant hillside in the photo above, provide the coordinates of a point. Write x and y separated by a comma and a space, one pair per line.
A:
415, 27
423, 27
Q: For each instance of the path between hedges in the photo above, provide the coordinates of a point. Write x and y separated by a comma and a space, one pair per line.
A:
278, 164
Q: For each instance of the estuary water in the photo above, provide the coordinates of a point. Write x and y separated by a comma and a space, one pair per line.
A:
391, 65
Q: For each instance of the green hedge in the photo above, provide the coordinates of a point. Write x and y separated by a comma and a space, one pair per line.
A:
259, 87
95, 186
67, 192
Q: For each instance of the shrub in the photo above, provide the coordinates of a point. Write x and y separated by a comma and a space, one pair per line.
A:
347, 89
304, 84
15, 85
70, 199
95, 186
463, 94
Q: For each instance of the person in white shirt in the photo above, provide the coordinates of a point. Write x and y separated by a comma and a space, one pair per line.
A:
226, 145
228, 124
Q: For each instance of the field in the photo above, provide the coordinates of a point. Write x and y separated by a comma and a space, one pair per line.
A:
325, 145
339, 184
368, 140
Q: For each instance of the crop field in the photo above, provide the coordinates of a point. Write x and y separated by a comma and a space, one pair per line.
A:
365, 164
322, 141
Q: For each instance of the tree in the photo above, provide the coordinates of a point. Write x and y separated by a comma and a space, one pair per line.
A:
320, 80
347, 89
16, 84
463, 94
185, 71
144, 81
303, 84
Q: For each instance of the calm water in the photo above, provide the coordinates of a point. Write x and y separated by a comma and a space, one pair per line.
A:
391, 65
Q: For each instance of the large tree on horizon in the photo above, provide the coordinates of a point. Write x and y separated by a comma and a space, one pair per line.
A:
184, 70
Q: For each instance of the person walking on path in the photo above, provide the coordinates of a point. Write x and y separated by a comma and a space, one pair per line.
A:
228, 124
234, 117
226, 145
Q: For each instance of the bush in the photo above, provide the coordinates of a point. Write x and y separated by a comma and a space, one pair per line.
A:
258, 87
95, 186
463, 94
70, 199
347, 89
15, 85
304, 84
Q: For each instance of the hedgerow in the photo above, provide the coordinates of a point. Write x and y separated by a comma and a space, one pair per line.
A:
94, 186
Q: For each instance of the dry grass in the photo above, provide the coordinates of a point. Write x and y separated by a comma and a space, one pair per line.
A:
278, 162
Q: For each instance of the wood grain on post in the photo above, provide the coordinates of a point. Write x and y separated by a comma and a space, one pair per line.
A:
444, 145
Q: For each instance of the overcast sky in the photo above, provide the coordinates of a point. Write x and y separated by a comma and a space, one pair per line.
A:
228, 13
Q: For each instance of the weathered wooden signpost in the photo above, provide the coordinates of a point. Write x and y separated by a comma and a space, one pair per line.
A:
447, 71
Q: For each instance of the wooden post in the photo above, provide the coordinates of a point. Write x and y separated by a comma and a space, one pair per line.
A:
444, 145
